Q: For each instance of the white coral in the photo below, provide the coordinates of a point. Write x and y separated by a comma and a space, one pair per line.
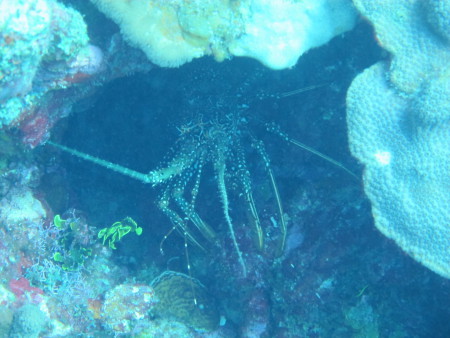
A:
403, 108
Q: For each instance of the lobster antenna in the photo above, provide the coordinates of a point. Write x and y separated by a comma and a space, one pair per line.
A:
115, 167
276, 130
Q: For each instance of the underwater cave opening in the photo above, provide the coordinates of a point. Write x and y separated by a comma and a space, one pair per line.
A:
336, 265
137, 121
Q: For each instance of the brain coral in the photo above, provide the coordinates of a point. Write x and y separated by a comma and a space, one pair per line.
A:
176, 293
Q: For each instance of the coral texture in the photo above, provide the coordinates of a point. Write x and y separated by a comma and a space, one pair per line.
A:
186, 300
174, 32
53, 33
277, 33
47, 65
418, 53
398, 118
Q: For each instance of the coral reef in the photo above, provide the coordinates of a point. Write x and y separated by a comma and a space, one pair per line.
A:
186, 300
398, 120
54, 35
417, 53
174, 32
125, 305
245, 265
47, 65
277, 33
437, 15
165, 329
29, 321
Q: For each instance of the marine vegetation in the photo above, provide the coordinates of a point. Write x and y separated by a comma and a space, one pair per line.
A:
115, 232
73, 241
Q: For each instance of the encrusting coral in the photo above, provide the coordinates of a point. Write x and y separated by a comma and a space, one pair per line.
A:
398, 125
174, 32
